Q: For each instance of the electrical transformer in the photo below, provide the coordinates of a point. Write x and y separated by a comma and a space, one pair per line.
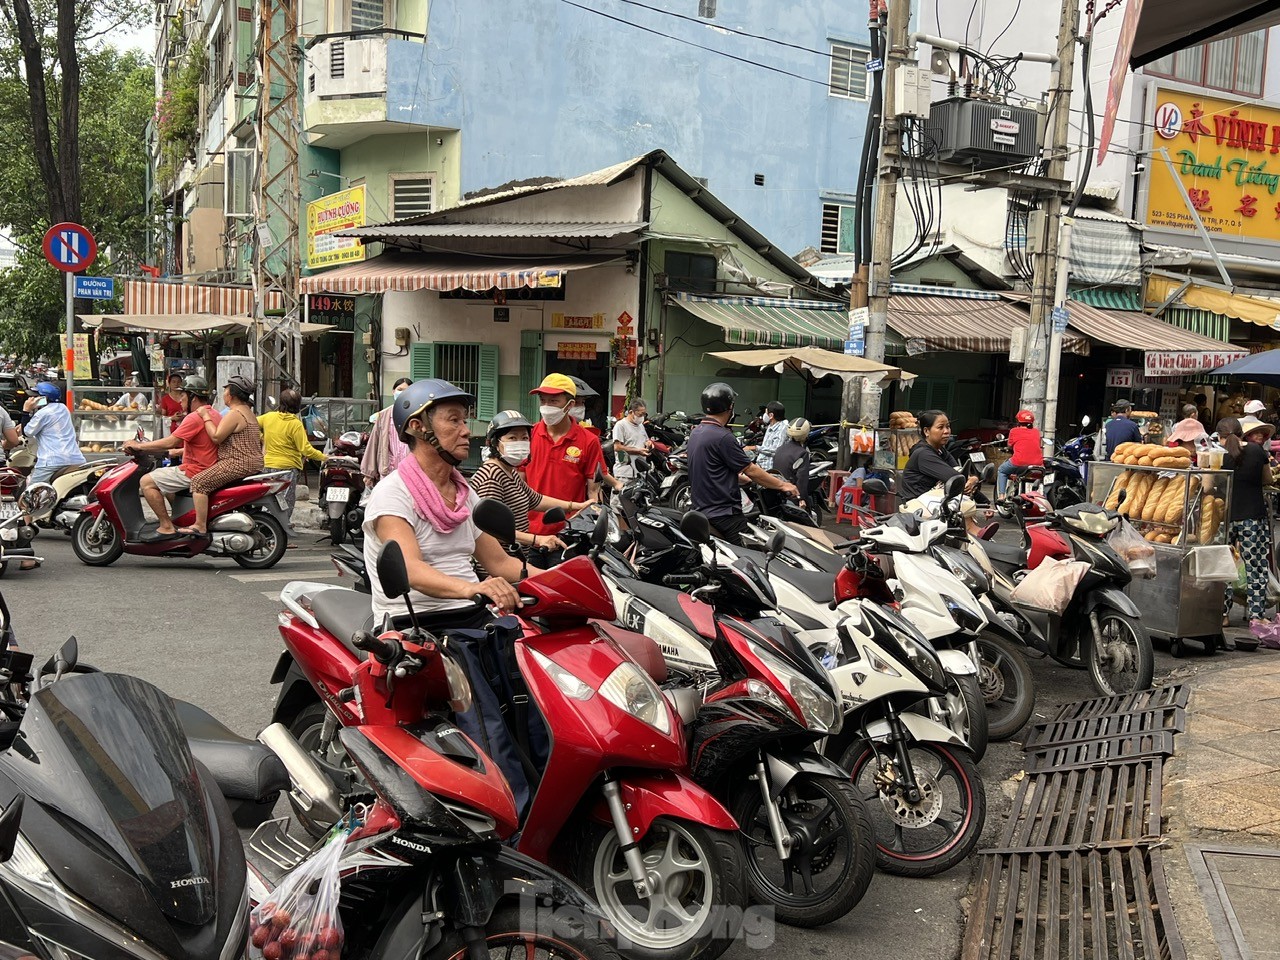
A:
982, 134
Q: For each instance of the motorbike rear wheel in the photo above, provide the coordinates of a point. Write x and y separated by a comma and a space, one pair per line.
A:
274, 543
337, 529
571, 936
104, 549
681, 496
1008, 687
833, 854
701, 890
1125, 661
966, 712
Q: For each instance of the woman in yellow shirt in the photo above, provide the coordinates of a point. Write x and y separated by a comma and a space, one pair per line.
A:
285, 443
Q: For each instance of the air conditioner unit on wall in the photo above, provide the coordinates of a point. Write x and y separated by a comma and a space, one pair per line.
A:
981, 134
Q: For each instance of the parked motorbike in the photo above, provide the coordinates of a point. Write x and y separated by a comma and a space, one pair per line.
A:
659, 852
18, 530
246, 522
1101, 626
342, 487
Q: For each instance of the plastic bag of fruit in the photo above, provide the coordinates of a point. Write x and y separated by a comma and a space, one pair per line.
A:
300, 918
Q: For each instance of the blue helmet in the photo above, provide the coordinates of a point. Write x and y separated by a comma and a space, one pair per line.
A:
49, 391
417, 398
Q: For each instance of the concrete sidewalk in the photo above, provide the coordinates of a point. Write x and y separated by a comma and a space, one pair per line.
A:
1222, 812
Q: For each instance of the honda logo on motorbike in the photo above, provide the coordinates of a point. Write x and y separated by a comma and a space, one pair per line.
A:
421, 848
188, 882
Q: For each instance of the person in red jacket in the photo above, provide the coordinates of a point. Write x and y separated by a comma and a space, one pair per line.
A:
1026, 450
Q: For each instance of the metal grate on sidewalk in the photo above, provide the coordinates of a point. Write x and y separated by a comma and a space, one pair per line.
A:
1077, 873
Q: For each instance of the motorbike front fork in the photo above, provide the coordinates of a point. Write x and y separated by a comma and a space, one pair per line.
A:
781, 839
898, 743
627, 839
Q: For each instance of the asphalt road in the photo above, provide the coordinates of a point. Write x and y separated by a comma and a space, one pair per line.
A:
205, 631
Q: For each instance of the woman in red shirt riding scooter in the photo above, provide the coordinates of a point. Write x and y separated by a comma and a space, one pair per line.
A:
1026, 451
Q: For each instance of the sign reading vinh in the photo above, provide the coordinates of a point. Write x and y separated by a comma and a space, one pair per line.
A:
1227, 156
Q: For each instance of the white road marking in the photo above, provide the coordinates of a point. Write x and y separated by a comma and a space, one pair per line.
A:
267, 576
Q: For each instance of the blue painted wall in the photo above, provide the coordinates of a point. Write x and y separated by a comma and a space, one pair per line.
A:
545, 89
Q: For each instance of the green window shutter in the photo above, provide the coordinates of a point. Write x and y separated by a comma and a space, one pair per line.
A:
533, 363
422, 361
848, 230
487, 382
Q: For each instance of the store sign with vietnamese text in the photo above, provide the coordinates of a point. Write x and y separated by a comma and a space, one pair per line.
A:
1169, 363
326, 216
1226, 155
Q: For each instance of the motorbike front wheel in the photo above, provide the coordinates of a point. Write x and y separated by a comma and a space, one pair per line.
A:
1124, 661
569, 936
274, 543
681, 496
337, 529
1007, 686
833, 853
98, 549
928, 835
696, 909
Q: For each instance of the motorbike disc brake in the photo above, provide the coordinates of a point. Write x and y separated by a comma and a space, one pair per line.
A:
904, 813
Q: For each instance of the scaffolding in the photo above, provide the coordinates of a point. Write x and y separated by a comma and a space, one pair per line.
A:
276, 249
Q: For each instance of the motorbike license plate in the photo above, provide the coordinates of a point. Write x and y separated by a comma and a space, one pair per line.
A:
337, 495
8, 509
1048, 479
977, 458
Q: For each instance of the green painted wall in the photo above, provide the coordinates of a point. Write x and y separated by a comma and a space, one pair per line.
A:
375, 159
412, 16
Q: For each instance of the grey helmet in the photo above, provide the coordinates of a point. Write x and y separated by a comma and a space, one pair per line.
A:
417, 398
196, 385
501, 423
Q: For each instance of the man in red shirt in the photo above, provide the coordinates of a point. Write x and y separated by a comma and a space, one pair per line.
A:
199, 452
1026, 450
563, 455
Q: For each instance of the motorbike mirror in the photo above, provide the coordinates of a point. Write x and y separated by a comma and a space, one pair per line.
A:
1085, 421
554, 515
38, 500
392, 572
641, 466
954, 487
775, 543
10, 819
600, 532
875, 485
496, 519
696, 527
65, 659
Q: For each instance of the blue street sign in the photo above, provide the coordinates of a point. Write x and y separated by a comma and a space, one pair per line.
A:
1061, 316
95, 288
855, 348
875, 64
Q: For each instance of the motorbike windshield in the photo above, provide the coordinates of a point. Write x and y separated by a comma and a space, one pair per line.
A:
107, 752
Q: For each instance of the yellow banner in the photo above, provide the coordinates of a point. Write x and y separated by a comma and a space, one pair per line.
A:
83, 364
1227, 155
337, 211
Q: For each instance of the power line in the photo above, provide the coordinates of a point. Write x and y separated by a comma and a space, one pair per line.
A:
667, 36
724, 29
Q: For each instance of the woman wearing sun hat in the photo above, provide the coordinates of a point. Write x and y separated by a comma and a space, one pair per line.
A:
1250, 465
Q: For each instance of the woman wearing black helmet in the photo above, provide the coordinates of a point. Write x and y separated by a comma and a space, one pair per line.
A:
498, 478
239, 449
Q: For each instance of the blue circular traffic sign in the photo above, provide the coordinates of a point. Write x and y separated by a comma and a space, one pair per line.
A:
70, 247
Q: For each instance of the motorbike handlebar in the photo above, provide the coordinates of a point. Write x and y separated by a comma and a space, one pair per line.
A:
684, 580
384, 651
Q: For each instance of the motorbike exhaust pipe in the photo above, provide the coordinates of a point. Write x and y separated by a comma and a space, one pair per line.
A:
311, 788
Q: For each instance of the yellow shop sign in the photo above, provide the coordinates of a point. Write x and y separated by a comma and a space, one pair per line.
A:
1227, 156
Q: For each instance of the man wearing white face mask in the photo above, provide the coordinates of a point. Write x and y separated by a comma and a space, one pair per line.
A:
630, 439
508, 441
563, 456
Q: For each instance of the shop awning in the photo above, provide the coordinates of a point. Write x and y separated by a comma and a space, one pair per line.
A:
184, 323
1263, 311
816, 361
967, 321
1168, 25
771, 321
389, 273
149, 297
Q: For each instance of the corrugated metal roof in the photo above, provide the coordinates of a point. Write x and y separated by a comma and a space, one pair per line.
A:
487, 230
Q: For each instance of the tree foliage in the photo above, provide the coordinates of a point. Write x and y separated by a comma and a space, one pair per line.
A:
73, 134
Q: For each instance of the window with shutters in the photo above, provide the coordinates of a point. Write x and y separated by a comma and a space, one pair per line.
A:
412, 195
848, 76
471, 366
238, 197
707, 8
1234, 64
839, 226
368, 15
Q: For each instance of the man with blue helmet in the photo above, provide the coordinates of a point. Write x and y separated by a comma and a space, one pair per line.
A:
55, 435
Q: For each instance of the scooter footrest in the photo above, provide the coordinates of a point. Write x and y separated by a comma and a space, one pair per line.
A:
272, 842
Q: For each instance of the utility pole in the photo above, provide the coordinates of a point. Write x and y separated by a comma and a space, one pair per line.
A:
1049, 278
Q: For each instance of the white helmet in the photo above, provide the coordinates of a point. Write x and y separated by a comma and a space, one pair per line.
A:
798, 429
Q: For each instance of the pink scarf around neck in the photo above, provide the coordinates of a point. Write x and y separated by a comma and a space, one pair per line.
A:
427, 499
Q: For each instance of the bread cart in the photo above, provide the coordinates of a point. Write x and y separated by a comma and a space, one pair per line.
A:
103, 426
1180, 511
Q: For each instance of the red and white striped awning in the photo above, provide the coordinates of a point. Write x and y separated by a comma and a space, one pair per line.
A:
153, 297
406, 274
960, 323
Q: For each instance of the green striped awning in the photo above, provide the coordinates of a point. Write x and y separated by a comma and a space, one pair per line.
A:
1204, 322
771, 321
1109, 298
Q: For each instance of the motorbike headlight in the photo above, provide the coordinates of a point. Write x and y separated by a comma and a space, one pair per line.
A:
631, 689
922, 660
966, 617
878, 664
569, 684
819, 711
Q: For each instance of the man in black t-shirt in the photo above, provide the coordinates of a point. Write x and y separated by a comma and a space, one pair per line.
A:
715, 461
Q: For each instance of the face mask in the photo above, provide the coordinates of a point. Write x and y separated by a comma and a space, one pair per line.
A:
638, 419
551, 415
578, 411
515, 452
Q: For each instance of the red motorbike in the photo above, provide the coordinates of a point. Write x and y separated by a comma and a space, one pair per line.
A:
246, 522
612, 805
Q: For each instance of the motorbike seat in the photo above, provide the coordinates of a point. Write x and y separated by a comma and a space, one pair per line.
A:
1006, 554
243, 769
343, 613
818, 585
63, 471
663, 599
826, 560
